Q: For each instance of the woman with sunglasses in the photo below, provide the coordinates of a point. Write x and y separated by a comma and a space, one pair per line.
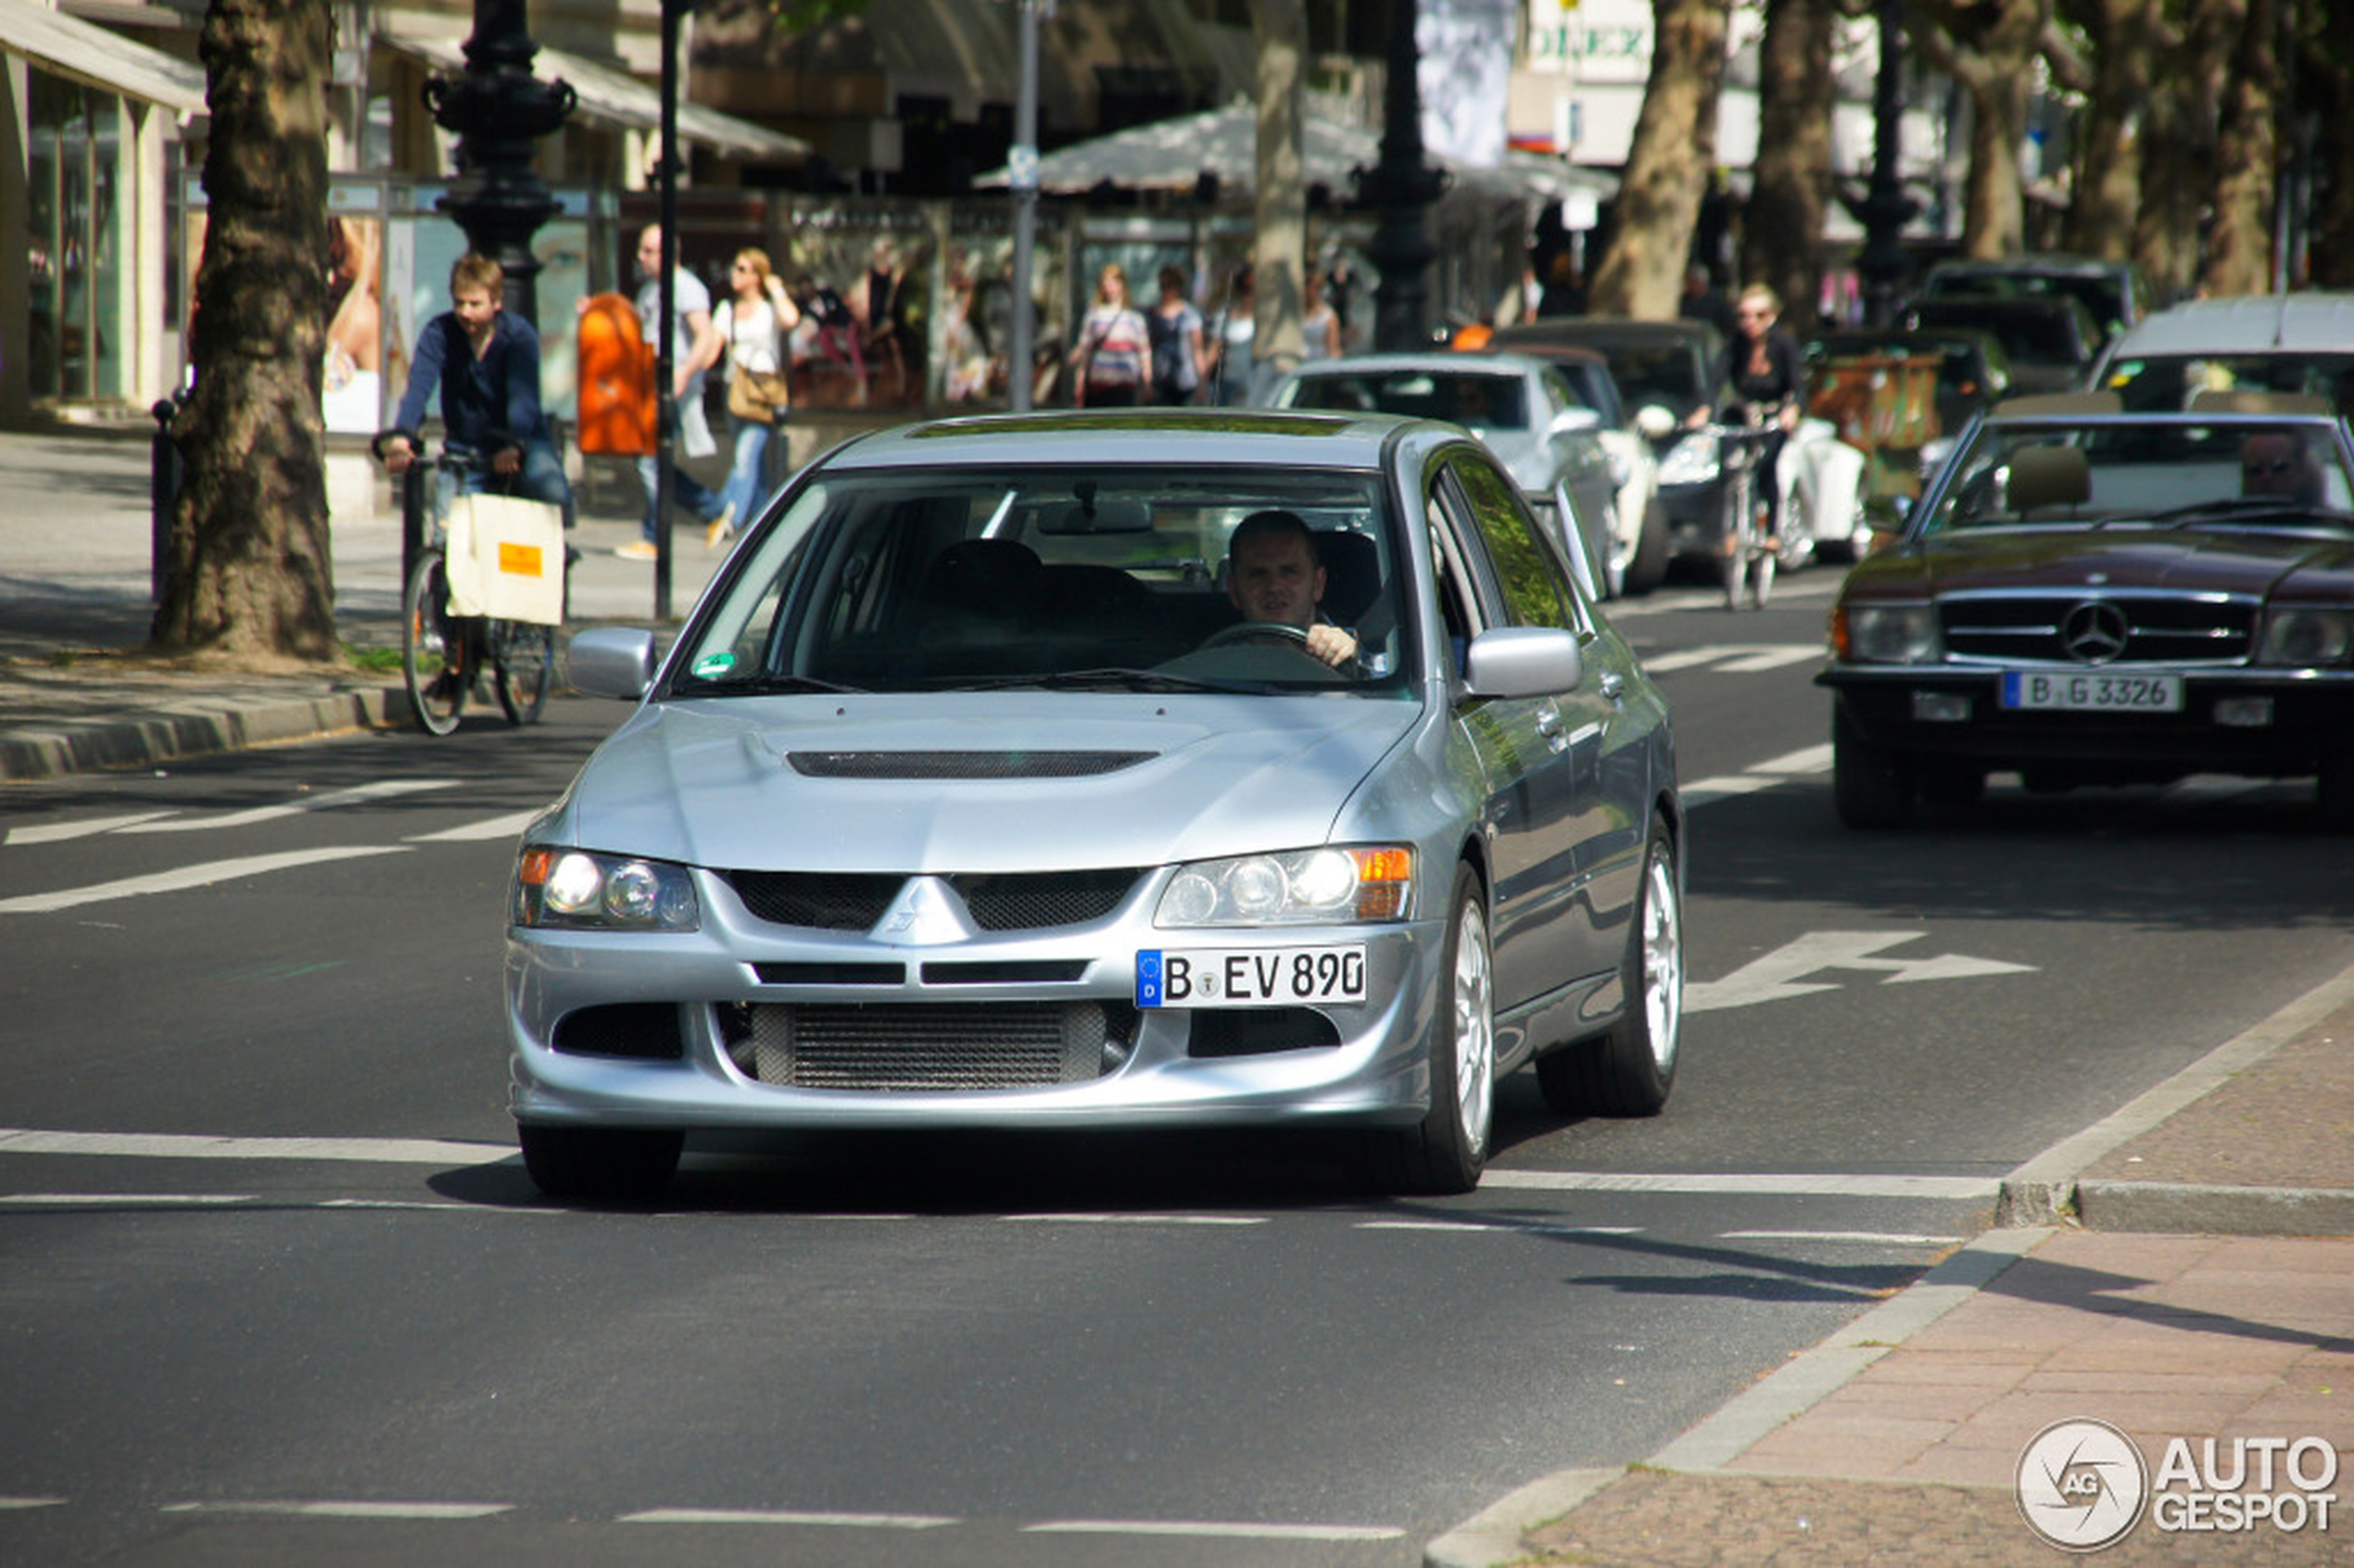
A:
1766, 373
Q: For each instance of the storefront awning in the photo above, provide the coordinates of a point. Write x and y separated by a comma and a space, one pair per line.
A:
608, 96
81, 51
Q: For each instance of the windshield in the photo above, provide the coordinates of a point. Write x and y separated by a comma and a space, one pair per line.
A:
1073, 577
1479, 399
1668, 373
2167, 384
2224, 472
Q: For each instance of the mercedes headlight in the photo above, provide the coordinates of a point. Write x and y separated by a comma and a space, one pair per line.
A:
1691, 461
1886, 634
1299, 887
577, 891
2306, 636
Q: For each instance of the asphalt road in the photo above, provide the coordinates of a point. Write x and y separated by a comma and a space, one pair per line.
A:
219, 1344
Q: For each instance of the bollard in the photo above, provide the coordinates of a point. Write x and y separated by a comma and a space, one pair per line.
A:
163, 497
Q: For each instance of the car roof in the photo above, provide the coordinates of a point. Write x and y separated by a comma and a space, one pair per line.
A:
1247, 437
1440, 361
1533, 340
2249, 323
2042, 263
1615, 329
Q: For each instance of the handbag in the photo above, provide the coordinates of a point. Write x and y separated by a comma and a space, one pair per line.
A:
758, 395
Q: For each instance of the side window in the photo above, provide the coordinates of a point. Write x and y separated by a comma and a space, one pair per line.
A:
1528, 572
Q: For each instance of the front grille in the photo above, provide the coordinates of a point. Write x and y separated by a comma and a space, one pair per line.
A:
643, 1030
963, 764
971, 1045
2171, 629
997, 901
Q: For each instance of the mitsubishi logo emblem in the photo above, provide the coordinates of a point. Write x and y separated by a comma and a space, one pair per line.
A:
925, 915
2095, 632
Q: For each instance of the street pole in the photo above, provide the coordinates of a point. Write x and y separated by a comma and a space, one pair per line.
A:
1885, 208
1021, 166
666, 367
496, 108
1403, 186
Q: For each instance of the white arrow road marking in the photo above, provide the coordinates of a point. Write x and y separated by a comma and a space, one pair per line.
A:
61, 831
379, 790
1775, 977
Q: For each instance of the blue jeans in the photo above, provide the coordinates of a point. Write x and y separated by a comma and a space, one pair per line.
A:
542, 478
747, 484
685, 490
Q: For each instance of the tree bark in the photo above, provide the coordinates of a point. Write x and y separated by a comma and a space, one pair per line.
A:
1995, 44
1790, 195
1667, 164
2325, 86
1281, 207
252, 574
2239, 250
2179, 151
2127, 36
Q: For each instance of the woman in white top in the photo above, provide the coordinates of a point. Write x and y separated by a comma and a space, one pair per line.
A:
755, 322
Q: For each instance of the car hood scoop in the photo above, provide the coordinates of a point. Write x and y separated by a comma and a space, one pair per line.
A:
961, 765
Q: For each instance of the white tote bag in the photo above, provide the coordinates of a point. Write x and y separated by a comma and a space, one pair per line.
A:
506, 559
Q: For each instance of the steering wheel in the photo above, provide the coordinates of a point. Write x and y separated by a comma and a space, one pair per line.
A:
1249, 630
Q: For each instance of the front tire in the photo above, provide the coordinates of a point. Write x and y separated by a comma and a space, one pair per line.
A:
433, 649
598, 1164
1631, 1070
1447, 1153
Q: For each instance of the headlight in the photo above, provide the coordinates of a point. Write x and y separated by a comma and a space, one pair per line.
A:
577, 891
1691, 461
1299, 887
1886, 634
2306, 636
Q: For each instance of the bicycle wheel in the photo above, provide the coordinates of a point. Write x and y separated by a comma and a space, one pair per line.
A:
1766, 559
522, 658
1740, 538
433, 649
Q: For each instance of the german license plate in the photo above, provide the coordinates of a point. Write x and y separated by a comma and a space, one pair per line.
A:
1251, 977
2090, 691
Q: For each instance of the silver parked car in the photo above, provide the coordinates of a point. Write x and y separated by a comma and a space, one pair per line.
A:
1527, 413
1154, 768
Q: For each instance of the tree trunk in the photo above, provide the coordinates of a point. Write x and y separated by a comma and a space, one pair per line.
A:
1668, 165
2127, 36
1782, 240
2239, 251
251, 575
1281, 210
1995, 45
2178, 152
2325, 81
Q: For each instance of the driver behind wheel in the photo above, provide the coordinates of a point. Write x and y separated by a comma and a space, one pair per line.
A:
1275, 577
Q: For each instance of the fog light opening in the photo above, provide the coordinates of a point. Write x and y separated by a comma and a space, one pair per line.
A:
2244, 713
1941, 707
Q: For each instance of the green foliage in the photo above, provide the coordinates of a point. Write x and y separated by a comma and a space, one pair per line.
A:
800, 15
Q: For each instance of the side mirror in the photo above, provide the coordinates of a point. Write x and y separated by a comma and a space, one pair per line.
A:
611, 662
1522, 662
1570, 420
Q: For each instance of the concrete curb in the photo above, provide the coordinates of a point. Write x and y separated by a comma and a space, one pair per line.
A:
2049, 1190
193, 730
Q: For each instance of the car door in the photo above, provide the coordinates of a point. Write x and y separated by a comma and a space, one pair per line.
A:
1542, 755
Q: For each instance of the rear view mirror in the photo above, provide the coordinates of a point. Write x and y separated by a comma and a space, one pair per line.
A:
1094, 516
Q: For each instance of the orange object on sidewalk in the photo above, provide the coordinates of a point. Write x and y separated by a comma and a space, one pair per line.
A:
617, 379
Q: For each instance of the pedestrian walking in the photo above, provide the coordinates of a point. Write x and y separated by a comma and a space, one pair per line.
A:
753, 324
695, 346
1113, 343
1236, 332
1180, 356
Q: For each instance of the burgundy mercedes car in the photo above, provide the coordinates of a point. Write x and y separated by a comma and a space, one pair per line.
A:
2087, 597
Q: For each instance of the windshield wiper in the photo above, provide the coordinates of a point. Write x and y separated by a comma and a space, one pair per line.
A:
1107, 679
763, 686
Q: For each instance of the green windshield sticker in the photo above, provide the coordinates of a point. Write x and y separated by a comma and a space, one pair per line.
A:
711, 666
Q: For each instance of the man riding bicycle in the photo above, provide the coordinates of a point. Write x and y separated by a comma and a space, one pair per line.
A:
486, 361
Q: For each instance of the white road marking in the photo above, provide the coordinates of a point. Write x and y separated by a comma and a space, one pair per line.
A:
1140, 1219
8, 1503
1725, 787
1862, 1238
379, 790
511, 826
1806, 759
1501, 1227
61, 831
177, 1145
1739, 658
1775, 977
119, 1200
786, 1516
1747, 1185
1214, 1529
339, 1509
185, 878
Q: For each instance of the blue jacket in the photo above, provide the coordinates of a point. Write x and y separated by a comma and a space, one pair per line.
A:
487, 403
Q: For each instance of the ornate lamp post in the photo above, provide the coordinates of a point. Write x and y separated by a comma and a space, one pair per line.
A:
1885, 209
497, 109
1402, 185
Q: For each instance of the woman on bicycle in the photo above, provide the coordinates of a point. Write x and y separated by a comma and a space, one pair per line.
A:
485, 361
1766, 371
755, 321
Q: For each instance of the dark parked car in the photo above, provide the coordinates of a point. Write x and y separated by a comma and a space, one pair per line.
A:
2117, 293
2051, 343
998, 781
2091, 596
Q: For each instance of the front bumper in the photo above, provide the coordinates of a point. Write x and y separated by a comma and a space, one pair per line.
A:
707, 1030
2267, 723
